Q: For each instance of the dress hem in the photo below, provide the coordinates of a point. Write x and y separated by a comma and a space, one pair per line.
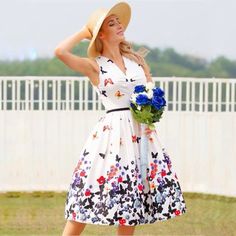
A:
155, 221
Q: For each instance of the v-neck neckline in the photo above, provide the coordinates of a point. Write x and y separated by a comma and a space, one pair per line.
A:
125, 74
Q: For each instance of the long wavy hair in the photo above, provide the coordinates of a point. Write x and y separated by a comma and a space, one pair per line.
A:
127, 50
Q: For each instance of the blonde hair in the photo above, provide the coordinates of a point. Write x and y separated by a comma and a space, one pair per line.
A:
127, 50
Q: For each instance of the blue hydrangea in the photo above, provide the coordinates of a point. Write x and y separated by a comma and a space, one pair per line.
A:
164, 101
158, 102
139, 88
158, 92
142, 99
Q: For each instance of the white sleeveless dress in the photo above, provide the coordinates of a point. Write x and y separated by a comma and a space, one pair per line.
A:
106, 186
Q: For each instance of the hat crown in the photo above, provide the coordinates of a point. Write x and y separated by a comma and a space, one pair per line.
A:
96, 18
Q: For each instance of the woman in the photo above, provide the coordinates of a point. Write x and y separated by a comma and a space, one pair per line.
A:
106, 185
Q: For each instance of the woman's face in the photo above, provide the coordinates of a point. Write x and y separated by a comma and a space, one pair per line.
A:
112, 29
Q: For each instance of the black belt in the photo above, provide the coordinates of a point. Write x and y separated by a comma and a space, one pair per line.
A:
118, 109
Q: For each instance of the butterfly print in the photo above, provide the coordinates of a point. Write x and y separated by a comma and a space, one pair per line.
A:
111, 221
77, 166
78, 184
138, 139
107, 187
108, 81
133, 222
118, 158
154, 155
119, 94
84, 201
168, 183
95, 135
151, 139
129, 183
122, 190
103, 71
91, 203
105, 127
140, 216
85, 153
102, 155
109, 60
126, 167
104, 93
135, 138
116, 216
131, 80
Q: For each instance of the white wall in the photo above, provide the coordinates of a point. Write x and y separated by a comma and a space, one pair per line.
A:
39, 149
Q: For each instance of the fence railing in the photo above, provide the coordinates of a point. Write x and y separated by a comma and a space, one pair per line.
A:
76, 93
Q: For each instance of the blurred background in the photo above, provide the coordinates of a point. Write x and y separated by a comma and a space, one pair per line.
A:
47, 110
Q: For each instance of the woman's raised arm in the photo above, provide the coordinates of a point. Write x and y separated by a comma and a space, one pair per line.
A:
84, 65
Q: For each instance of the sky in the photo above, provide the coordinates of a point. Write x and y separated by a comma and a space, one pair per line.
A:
204, 28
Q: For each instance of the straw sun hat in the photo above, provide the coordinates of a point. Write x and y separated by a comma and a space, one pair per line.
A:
121, 9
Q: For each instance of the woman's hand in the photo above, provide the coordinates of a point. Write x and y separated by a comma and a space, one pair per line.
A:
67, 44
86, 32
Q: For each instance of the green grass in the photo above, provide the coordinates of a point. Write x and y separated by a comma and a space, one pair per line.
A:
42, 213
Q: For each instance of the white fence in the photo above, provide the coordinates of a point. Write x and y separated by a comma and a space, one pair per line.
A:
44, 122
76, 93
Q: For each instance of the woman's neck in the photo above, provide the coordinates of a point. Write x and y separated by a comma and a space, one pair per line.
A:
112, 52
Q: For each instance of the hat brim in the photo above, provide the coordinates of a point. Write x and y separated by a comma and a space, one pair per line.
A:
123, 11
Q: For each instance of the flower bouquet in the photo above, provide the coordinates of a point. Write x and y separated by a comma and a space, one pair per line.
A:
147, 106
147, 103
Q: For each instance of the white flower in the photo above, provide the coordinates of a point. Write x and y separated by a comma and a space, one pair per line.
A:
150, 85
150, 94
139, 107
133, 97
144, 93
